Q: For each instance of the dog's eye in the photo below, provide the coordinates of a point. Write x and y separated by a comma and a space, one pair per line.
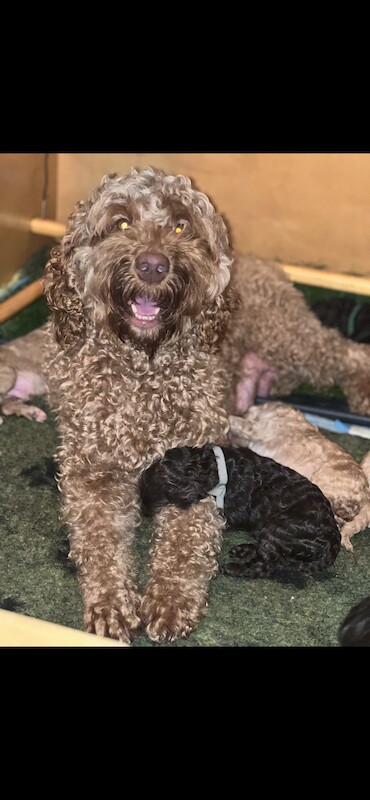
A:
123, 223
180, 227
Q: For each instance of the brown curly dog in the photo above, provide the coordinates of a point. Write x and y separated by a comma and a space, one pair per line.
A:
141, 306
139, 300
277, 343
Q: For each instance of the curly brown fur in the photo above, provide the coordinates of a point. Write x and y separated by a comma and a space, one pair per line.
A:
280, 432
354, 631
288, 516
133, 368
140, 309
277, 343
21, 375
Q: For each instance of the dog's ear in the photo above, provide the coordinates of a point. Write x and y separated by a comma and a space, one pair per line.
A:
65, 304
62, 273
216, 318
219, 240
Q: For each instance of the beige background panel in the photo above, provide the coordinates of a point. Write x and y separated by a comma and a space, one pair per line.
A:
21, 184
300, 208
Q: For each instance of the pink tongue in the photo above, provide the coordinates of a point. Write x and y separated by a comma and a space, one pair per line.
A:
145, 307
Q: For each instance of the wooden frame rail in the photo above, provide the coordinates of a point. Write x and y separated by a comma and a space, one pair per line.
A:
19, 630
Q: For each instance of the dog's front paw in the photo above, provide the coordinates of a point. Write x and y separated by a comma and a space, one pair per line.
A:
113, 619
245, 551
169, 615
34, 413
345, 542
14, 406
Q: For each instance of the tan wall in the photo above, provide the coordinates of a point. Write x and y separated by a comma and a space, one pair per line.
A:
21, 184
298, 208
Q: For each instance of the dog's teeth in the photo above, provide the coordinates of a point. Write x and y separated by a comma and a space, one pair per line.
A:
143, 317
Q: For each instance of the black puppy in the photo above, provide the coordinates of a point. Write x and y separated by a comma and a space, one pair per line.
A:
355, 628
289, 518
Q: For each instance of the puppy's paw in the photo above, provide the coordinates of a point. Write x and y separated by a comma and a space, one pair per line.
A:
14, 406
243, 551
345, 542
34, 413
237, 569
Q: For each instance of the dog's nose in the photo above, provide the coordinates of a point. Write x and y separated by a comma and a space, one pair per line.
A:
152, 267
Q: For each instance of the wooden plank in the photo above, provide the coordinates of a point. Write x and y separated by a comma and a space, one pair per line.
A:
18, 630
20, 300
336, 281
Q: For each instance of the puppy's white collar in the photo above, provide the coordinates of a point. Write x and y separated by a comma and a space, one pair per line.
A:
220, 490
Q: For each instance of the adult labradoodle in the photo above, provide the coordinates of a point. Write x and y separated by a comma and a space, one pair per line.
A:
290, 519
141, 357
140, 300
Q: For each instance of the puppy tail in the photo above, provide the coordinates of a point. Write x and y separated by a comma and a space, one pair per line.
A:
355, 525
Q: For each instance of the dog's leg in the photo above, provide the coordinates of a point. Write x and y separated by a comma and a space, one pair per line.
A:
253, 561
256, 379
354, 376
183, 560
8, 378
355, 525
23, 385
276, 323
14, 406
102, 512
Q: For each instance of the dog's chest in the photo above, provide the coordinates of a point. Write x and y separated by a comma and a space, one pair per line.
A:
139, 407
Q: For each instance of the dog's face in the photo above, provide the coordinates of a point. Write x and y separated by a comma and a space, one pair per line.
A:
145, 255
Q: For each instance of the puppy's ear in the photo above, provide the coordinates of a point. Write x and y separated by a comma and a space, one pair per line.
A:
65, 305
216, 318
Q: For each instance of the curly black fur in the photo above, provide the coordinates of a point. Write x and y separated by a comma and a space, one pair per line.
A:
355, 628
288, 516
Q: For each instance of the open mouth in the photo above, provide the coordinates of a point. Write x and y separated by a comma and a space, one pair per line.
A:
144, 312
